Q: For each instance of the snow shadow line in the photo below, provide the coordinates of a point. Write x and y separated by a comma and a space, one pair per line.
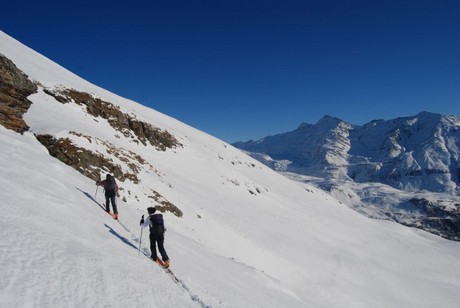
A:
92, 198
122, 238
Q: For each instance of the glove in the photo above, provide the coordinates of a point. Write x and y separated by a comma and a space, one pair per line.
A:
142, 220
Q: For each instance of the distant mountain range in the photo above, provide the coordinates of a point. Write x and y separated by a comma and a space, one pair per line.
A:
412, 162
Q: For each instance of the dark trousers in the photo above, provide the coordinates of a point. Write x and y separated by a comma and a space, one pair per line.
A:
158, 239
110, 198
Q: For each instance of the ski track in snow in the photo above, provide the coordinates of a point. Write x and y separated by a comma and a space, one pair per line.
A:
168, 271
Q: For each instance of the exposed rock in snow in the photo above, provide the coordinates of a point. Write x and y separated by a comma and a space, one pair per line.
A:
15, 86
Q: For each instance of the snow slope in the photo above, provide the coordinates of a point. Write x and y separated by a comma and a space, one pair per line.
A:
249, 237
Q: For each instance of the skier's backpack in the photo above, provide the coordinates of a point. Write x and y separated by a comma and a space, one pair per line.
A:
157, 224
110, 183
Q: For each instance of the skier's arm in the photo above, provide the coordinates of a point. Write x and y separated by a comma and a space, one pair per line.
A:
145, 222
100, 183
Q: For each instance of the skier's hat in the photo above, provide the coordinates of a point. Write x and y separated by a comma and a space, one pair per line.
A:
151, 210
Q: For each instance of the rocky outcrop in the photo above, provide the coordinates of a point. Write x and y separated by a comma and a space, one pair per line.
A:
15, 87
91, 164
129, 126
439, 219
165, 205
82, 160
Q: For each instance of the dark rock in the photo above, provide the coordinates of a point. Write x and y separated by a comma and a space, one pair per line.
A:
439, 220
15, 87
82, 160
128, 126
165, 205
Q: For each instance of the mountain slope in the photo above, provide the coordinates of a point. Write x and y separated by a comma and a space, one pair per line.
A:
414, 155
239, 234
411, 153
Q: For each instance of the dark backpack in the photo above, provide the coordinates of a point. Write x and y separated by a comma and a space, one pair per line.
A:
110, 183
157, 225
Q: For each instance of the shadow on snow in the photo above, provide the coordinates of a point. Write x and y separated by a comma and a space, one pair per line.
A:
123, 239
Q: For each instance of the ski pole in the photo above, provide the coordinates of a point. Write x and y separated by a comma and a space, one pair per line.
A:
95, 195
140, 242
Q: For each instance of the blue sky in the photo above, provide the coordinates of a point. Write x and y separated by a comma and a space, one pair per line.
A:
243, 70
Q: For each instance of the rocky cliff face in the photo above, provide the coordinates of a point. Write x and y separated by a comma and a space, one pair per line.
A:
15, 86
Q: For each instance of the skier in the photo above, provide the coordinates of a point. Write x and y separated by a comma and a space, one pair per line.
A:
111, 189
157, 230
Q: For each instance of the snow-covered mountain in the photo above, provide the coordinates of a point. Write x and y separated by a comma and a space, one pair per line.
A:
239, 234
412, 155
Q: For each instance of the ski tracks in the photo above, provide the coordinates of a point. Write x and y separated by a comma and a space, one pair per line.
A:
194, 297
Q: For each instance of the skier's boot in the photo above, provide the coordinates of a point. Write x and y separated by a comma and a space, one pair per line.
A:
115, 216
167, 264
160, 262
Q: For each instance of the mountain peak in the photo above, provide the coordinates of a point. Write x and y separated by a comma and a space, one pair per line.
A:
329, 121
426, 115
304, 125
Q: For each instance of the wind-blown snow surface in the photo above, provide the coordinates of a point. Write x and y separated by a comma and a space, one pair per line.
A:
289, 245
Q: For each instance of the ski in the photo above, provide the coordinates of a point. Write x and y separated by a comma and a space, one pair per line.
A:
168, 271
113, 215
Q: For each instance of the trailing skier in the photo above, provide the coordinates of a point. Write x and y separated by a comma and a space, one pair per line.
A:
111, 189
157, 229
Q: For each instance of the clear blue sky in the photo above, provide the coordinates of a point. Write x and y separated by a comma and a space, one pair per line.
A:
246, 69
